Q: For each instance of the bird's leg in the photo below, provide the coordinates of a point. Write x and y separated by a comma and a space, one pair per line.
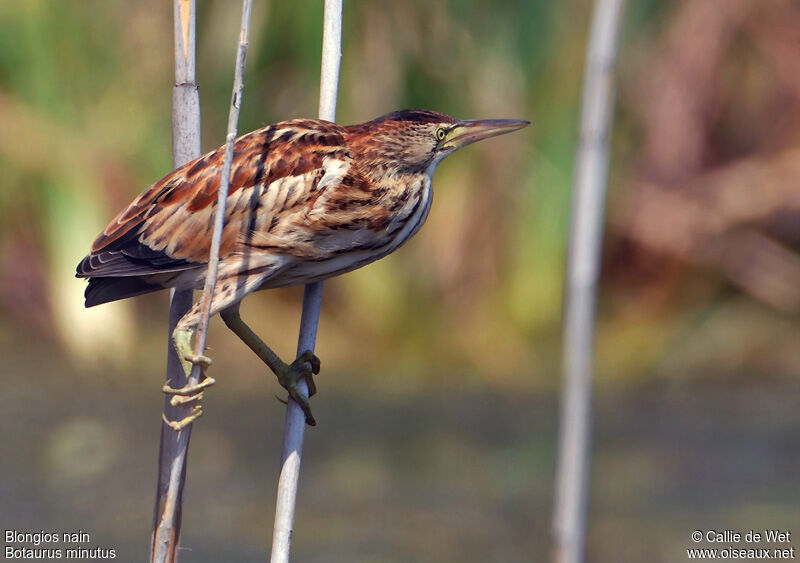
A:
182, 341
227, 290
305, 366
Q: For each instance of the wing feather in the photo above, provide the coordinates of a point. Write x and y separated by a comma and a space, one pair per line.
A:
168, 227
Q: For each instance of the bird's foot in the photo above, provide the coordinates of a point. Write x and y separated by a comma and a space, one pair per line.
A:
305, 366
184, 396
189, 393
182, 340
178, 425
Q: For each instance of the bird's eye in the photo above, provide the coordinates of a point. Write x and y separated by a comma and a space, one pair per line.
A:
440, 134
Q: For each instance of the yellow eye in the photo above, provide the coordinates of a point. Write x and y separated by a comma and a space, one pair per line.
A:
440, 134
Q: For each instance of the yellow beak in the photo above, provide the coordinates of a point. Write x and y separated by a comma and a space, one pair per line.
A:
468, 132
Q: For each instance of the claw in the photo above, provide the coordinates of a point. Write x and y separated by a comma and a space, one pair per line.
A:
188, 394
302, 402
308, 357
311, 358
184, 396
178, 400
195, 390
196, 359
178, 425
304, 367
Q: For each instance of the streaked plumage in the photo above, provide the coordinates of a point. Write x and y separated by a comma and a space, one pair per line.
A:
308, 200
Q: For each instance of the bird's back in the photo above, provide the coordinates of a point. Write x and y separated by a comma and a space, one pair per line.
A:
300, 208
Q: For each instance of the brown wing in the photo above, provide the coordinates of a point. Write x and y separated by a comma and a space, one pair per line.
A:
168, 228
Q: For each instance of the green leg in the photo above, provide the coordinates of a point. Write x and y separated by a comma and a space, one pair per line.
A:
288, 374
182, 340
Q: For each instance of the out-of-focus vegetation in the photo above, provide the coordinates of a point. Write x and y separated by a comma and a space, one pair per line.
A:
704, 180
700, 280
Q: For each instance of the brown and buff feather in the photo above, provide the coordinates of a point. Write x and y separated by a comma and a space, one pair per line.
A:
308, 199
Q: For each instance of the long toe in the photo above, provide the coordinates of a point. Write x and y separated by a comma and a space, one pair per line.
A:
185, 399
189, 389
178, 425
289, 375
311, 358
295, 394
312, 387
199, 360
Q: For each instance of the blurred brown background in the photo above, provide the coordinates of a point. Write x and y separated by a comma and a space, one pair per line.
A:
438, 396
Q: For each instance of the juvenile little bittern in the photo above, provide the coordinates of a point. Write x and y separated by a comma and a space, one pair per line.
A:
308, 200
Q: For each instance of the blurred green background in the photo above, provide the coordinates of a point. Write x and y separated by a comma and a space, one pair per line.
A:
439, 391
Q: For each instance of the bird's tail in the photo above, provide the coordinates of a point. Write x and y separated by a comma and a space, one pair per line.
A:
103, 290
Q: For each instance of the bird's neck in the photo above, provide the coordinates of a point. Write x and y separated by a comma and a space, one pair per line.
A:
391, 184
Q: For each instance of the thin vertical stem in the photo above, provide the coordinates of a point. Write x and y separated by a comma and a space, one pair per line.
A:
294, 428
166, 536
583, 264
222, 195
185, 147
331, 57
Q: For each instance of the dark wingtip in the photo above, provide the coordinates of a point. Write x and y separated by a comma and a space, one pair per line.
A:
93, 295
105, 290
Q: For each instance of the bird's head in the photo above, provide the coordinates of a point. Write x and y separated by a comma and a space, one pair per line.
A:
417, 140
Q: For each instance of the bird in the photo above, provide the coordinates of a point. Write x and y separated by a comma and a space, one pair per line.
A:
308, 200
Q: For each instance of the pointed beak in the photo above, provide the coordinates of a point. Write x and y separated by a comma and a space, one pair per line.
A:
468, 132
